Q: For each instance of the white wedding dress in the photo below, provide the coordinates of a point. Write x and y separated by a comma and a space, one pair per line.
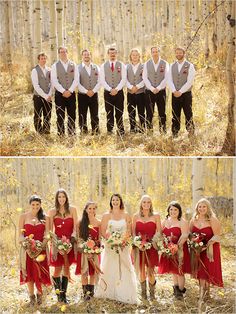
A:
119, 280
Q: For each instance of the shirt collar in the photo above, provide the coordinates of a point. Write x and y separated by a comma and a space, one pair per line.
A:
157, 61
85, 65
181, 62
65, 63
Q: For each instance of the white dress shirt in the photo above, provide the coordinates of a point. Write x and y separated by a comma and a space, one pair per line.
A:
55, 82
82, 89
188, 84
35, 82
147, 83
139, 85
123, 77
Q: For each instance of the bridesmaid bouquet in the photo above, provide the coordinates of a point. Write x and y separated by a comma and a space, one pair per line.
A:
32, 247
90, 247
197, 242
118, 241
169, 249
63, 245
141, 242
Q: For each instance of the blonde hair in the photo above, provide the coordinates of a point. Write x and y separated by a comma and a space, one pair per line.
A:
210, 213
141, 209
137, 50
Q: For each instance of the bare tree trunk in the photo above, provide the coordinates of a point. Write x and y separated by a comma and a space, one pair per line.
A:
59, 8
229, 142
234, 187
37, 47
197, 180
53, 31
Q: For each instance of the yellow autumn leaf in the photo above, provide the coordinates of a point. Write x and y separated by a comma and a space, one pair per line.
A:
19, 209
63, 308
13, 272
221, 293
57, 291
40, 258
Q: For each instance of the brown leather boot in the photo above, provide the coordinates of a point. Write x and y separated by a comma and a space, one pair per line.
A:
144, 289
152, 289
39, 299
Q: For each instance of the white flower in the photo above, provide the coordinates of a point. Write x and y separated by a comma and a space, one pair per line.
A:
60, 247
85, 250
196, 244
201, 244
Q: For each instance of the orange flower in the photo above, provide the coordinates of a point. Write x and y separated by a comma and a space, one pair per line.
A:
31, 236
90, 244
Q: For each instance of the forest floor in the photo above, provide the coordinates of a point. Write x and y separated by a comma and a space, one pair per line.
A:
14, 297
17, 135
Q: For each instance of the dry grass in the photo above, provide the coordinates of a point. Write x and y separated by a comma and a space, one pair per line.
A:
18, 137
14, 297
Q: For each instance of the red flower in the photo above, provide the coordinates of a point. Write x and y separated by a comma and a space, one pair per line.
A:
96, 73
72, 71
185, 72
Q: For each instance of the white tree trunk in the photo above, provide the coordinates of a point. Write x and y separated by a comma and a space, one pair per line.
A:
197, 180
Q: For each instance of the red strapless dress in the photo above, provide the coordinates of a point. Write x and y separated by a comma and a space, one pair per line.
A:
37, 272
148, 229
210, 271
169, 265
94, 235
63, 227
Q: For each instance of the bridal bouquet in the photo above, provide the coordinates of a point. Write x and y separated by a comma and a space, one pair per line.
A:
141, 242
33, 247
118, 240
63, 245
90, 247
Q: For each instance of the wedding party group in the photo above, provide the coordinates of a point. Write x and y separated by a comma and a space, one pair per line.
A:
114, 254
146, 88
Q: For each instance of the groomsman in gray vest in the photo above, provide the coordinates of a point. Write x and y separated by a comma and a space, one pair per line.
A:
113, 79
88, 93
41, 80
65, 81
180, 81
155, 77
135, 95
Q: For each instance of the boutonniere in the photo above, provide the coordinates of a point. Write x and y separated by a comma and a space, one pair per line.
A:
72, 70
118, 69
162, 68
185, 72
96, 73
49, 74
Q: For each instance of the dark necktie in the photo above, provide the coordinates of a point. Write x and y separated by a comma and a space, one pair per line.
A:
112, 67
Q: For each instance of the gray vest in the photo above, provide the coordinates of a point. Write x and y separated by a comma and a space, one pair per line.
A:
180, 78
136, 78
44, 82
113, 78
155, 77
65, 78
88, 82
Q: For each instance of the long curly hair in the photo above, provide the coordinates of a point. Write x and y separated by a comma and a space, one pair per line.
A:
210, 213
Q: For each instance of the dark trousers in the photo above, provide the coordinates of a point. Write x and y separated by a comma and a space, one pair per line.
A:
62, 105
42, 108
178, 103
160, 100
114, 104
86, 102
136, 101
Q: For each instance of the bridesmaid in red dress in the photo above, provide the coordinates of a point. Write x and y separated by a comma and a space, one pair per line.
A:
88, 227
204, 221
175, 227
63, 223
146, 224
34, 223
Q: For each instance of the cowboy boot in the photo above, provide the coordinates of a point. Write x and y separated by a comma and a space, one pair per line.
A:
39, 299
144, 289
57, 286
152, 289
180, 293
32, 300
64, 284
91, 289
86, 292
175, 290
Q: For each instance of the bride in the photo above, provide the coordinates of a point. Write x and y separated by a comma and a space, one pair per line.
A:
118, 281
